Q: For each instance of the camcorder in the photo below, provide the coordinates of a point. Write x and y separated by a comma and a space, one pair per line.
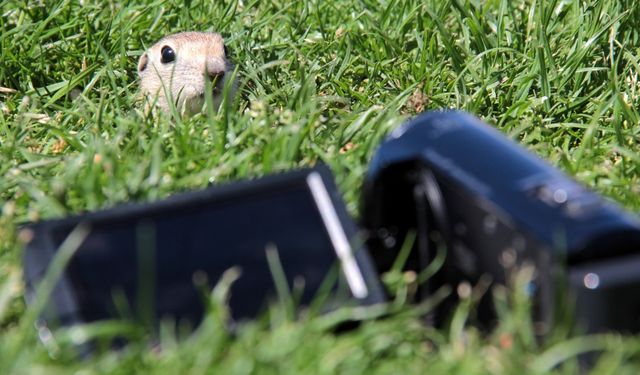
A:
456, 183
495, 207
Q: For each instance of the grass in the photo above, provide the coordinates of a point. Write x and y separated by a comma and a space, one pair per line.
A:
320, 82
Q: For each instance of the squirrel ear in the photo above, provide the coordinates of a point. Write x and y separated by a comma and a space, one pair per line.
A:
142, 63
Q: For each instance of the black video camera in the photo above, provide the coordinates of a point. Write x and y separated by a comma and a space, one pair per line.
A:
462, 184
454, 181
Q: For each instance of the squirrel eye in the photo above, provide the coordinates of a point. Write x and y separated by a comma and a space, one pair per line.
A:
167, 55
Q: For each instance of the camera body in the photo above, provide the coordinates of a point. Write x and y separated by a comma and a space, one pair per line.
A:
494, 206
459, 184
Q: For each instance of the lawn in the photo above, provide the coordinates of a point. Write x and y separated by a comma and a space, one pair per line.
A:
320, 81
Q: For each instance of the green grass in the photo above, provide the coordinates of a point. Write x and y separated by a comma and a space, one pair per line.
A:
321, 81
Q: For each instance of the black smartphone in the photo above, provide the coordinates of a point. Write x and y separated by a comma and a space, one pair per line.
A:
152, 252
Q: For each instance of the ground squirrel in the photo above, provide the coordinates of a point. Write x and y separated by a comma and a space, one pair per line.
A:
177, 67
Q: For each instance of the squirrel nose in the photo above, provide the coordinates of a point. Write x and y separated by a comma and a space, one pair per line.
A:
214, 69
215, 76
